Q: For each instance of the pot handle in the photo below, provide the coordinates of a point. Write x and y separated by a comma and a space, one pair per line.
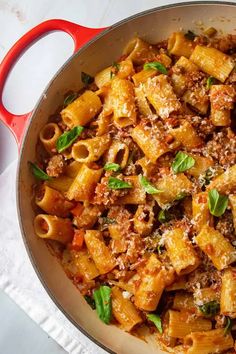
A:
16, 123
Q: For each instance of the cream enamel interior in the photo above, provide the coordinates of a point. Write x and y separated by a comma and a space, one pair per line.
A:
152, 26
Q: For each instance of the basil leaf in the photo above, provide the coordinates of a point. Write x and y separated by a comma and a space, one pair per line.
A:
148, 187
67, 139
217, 203
229, 325
69, 99
90, 301
38, 173
157, 66
110, 166
86, 78
163, 216
190, 35
210, 308
182, 162
116, 183
102, 297
210, 81
156, 320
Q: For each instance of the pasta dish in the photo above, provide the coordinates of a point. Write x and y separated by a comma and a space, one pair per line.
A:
136, 191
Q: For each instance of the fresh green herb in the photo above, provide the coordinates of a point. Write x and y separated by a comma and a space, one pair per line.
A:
159, 249
156, 65
229, 325
210, 81
105, 221
182, 162
102, 297
90, 301
206, 178
210, 308
86, 78
164, 216
116, 183
110, 166
108, 221
190, 35
181, 196
148, 187
67, 139
114, 70
69, 99
38, 173
217, 203
156, 320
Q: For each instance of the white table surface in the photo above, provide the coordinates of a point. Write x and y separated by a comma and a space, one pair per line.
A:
24, 85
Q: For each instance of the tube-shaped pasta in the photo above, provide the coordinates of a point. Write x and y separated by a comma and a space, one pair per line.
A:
84, 184
213, 341
124, 311
85, 265
172, 186
151, 286
100, 253
179, 45
90, 150
118, 153
142, 102
88, 217
213, 62
222, 99
144, 219
61, 183
152, 145
202, 163
180, 251
161, 95
179, 78
228, 293
52, 227
204, 295
118, 243
186, 135
49, 135
72, 169
198, 99
216, 247
52, 201
183, 323
139, 51
136, 194
124, 109
147, 167
184, 301
179, 284
142, 76
201, 213
81, 110
124, 69
226, 182
232, 201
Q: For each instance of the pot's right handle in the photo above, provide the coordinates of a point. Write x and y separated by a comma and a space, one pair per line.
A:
81, 35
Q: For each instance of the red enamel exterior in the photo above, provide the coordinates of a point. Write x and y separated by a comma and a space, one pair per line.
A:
80, 35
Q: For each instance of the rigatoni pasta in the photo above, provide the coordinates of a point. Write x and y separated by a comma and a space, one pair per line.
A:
136, 190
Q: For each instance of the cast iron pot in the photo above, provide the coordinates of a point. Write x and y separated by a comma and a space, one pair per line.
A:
94, 49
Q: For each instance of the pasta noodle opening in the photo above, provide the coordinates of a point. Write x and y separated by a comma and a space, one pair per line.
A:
48, 132
41, 225
82, 151
120, 156
189, 342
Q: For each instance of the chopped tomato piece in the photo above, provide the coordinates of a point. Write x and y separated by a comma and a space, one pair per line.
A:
78, 240
77, 210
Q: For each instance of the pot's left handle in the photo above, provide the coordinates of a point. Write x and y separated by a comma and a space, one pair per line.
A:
16, 123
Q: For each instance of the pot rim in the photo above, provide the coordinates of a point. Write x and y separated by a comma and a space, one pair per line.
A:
36, 108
